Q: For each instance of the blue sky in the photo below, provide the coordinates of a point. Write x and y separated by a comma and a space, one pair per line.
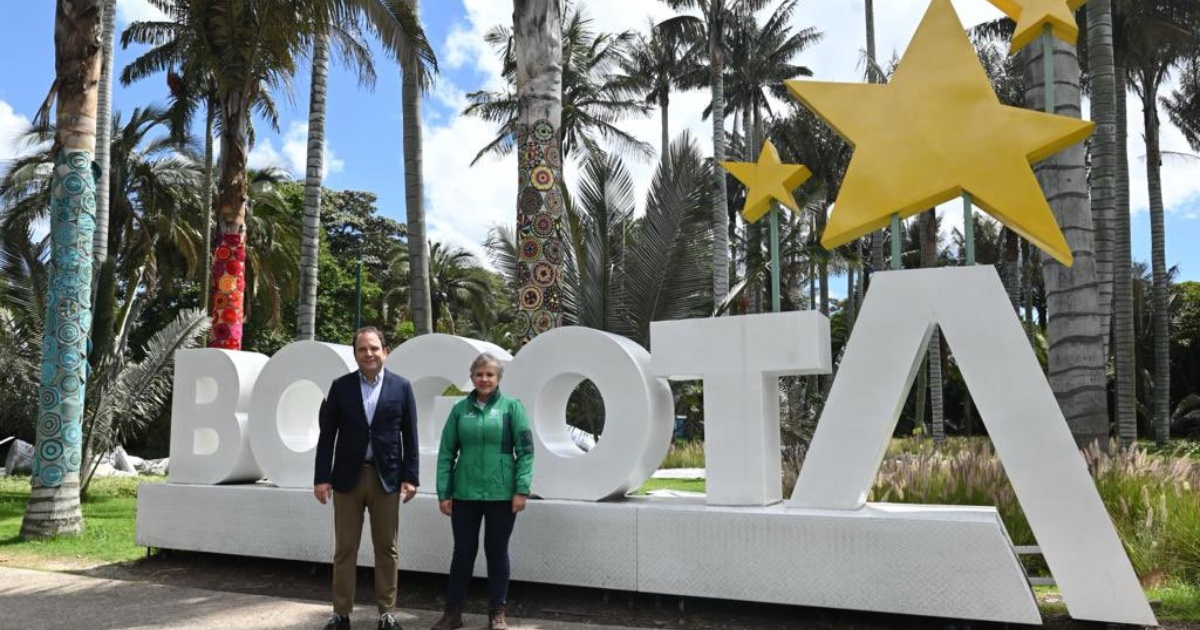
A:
364, 127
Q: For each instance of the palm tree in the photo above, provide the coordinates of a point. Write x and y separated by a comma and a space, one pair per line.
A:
347, 37
622, 272
804, 139
457, 284
710, 27
243, 45
872, 64
595, 96
657, 66
1183, 105
103, 114
415, 83
1105, 149
1076, 362
929, 258
53, 507
154, 240
1157, 36
760, 60
272, 264
538, 59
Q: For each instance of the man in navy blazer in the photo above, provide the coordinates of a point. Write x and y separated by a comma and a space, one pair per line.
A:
367, 458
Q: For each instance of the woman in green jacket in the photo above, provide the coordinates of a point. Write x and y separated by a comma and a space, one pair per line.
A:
485, 466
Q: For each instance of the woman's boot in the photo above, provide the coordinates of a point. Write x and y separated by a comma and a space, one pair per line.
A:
451, 619
496, 619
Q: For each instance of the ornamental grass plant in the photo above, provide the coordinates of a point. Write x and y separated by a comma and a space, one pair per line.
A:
1151, 497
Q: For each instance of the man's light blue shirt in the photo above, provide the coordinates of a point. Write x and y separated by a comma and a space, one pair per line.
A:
370, 396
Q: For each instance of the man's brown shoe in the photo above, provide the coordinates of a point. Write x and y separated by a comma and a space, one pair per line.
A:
451, 619
496, 619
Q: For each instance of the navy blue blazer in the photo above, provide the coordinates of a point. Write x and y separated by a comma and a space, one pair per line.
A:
342, 444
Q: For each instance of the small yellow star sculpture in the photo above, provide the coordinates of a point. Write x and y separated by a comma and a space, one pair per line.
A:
768, 179
936, 131
1033, 16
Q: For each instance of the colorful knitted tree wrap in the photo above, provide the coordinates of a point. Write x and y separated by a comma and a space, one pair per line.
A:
228, 290
540, 210
68, 319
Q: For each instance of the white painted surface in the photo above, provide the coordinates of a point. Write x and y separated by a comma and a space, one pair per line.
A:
953, 563
210, 437
286, 405
433, 363
1016, 404
740, 360
638, 412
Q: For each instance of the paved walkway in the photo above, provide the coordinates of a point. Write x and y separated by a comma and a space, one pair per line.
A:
58, 601
680, 473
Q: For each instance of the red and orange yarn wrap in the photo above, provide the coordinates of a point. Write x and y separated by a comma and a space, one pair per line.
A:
229, 286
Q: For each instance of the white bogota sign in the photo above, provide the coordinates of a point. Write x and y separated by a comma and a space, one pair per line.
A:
239, 417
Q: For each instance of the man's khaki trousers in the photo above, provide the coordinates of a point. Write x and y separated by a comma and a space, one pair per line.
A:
384, 508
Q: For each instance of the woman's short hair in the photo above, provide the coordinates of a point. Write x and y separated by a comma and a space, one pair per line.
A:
488, 358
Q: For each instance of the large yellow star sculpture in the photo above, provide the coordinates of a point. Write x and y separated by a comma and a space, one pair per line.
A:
1033, 16
936, 131
768, 179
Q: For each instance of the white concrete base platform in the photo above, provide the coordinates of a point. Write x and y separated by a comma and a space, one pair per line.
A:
934, 561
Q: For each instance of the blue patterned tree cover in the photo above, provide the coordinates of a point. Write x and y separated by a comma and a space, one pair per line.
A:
540, 210
68, 319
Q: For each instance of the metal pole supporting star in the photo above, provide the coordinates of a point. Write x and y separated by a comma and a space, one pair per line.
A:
769, 182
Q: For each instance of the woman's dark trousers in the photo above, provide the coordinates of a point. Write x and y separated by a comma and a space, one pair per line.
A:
466, 520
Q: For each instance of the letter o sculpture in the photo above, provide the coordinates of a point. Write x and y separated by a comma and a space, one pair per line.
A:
284, 411
637, 419
433, 363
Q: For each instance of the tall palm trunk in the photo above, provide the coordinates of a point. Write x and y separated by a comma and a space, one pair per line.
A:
1074, 336
720, 244
537, 36
310, 239
233, 193
104, 132
877, 239
753, 231
1027, 271
414, 198
937, 418
1104, 208
53, 507
206, 195
1158, 262
664, 112
1123, 331
1010, 256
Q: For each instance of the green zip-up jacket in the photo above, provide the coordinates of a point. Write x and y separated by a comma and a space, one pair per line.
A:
478, 459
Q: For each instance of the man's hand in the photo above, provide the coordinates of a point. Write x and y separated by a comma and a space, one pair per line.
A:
518, 503
447, 507
408, 490
322, 491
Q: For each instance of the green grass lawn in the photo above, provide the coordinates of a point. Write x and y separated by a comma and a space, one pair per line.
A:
109, 515
687, 485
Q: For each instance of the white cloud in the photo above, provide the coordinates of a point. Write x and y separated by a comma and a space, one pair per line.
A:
12, 125
292, 155
138, 11
465, 201
1180, 183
